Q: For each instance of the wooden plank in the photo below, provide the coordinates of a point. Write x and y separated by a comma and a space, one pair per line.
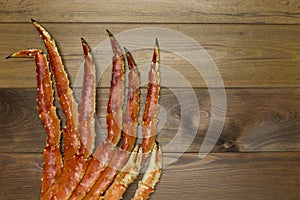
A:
180, 11
217, 176
20, 176
257, 120
245, 55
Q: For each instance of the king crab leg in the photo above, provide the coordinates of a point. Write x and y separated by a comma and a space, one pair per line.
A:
47, 112
148, 126
130, 124
75, 159
131, 169
116, 95
149, 123
87, 109
106, 150
65, 95
129, 173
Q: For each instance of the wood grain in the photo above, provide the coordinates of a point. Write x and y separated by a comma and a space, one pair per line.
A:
218, 176
246, 55
257, 119
158, 11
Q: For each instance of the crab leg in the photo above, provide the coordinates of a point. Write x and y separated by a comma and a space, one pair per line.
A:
67, 183
150, 114
131, 169
149, 129
130, 122
47, 113
116, 96
153, 173
65, 94
75, 162
129, 133
106, 150
151, 176
86, 126
151, 108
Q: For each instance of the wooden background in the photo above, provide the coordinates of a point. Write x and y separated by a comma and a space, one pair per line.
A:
256, 47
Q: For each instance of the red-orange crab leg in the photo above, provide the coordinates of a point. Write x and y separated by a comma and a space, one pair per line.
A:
77, 164
129, 133
105, 150
151, 108
116, 96
47, 113
86, 126
151, 176
130, 122
127, 176
65, 94
149, 122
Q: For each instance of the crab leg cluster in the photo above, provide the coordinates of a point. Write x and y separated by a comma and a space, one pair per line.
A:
83, 171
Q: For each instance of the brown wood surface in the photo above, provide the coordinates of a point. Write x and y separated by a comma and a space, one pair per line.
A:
217, 176
246, 55
275, 126
255, 46
157, 11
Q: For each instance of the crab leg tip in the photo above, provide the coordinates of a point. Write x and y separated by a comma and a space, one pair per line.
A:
114, 43
130, 60
156, 43
84, 43
34, 22
155, 58
109, 33
27, 53
83, 40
